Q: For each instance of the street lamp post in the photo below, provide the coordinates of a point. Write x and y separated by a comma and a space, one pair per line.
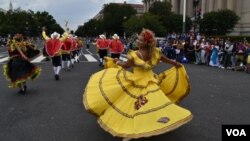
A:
184, 17
27, 28
124, 33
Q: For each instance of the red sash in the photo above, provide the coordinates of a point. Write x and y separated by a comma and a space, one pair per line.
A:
68, 45
53, 47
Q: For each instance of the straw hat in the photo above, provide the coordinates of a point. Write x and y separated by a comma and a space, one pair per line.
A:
102, 36
115, 36
55, 35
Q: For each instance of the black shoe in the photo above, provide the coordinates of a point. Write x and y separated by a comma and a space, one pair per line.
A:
57, 77
21, 91
24, 88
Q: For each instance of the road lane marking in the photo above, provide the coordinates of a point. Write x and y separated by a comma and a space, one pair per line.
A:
4, 59
89, 51
90, 58
38, 59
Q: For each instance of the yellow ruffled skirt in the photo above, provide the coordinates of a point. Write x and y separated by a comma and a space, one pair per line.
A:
174, 82
126, 109
248, 59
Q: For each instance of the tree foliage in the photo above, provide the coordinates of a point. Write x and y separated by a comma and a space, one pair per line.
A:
119, 18
218, 23
161, 8
45, 19
26, 22
114, 15
150, 21
172, 22
92, 28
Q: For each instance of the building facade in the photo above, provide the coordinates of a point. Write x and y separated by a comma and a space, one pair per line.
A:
240, 7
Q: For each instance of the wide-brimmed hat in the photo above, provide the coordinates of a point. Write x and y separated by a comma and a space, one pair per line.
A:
102, 36
55, 35
115, 36
74, 37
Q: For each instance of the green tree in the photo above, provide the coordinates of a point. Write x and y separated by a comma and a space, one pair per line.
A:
175, 23
26, 22
44, 19
160, 8
2, 19
150, 21
172, 22
218, 23
114, 15
163, 11
91, 28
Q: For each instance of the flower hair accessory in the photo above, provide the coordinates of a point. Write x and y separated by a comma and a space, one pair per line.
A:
148, 36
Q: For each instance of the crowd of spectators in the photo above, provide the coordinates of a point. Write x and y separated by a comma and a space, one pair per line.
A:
3, 41
200, 50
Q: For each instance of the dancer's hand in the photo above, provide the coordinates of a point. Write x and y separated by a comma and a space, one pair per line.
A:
115, 60
25, 58
177, 64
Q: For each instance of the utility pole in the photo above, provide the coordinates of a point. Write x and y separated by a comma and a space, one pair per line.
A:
184, 17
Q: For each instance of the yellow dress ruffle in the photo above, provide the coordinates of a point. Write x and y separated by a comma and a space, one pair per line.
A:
175, 83
134, 104
248, 59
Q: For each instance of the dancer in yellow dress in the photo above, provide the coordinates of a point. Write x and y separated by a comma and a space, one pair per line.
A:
139, 103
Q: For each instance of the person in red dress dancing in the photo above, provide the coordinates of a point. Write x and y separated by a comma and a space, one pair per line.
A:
102, 46
53, 49
116, 47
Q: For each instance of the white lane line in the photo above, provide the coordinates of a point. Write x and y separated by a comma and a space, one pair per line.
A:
89, 51
4, 59
38, 59
90, 58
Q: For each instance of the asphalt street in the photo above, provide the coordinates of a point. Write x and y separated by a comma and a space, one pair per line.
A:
53, 110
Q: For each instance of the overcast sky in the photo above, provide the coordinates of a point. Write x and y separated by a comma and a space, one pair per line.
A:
76, 12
